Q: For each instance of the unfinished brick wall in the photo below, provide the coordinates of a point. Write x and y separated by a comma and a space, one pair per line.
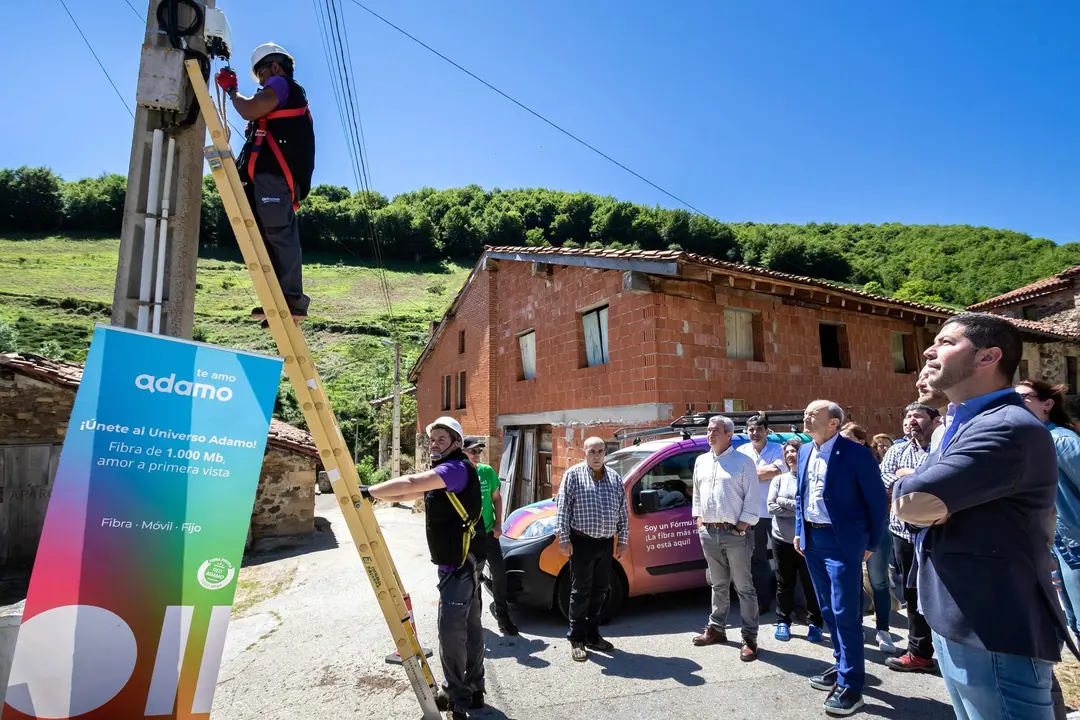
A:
473, 317
32, 410
285, 499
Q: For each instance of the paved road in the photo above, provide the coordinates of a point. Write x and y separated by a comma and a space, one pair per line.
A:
316, 650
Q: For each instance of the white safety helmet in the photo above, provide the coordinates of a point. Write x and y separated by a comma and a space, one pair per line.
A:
447, 423
262, 51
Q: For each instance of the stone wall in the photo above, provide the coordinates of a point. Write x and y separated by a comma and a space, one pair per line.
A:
1044, 306
285, 500
32, 410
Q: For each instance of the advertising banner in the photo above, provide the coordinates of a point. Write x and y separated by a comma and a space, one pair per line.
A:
135, 575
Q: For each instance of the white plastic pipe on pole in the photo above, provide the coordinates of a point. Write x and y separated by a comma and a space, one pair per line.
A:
163, 231
149, 227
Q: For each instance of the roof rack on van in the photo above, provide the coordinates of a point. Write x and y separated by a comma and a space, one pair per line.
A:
695, 424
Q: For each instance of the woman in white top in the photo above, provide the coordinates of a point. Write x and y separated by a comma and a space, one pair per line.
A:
789, 563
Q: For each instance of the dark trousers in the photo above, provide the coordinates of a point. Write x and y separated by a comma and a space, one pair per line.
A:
920, 641
461, 636
760, 568
590, 577
838, 578
791, 566
271, 200
498, 576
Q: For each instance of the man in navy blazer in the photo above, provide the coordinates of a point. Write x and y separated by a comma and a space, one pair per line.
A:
984, 501
841, 515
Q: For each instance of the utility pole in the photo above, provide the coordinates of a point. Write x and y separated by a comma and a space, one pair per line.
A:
159, 241
395, 448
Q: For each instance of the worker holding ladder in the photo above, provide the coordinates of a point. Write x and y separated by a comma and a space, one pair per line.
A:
451, 492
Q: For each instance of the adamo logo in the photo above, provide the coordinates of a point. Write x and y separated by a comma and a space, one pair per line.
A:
182, 387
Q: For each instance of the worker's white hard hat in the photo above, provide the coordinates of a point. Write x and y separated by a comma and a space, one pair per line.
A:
262, 51
447, 423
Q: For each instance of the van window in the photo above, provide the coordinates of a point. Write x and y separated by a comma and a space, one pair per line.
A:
624, 461
672, 478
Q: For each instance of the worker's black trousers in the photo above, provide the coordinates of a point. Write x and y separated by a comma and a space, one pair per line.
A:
461, 636
590, 578
498, 576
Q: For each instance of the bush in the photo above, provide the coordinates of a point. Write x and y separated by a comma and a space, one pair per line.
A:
9, 338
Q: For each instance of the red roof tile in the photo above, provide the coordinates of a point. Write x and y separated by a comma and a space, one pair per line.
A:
69, 374
1037, 289
688, 257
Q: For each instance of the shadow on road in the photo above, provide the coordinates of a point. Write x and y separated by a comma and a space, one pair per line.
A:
272, 549
520, 648
907, 708
648, 667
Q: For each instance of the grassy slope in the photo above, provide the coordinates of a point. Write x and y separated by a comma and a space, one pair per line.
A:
55, 289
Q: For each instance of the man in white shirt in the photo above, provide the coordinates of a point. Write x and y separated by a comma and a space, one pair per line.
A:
769, 460
725, 509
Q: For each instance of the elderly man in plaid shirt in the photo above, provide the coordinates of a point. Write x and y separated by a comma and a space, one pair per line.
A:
902, 459
592, 513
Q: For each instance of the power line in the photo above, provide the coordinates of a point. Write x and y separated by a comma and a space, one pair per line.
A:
527, 109
91, 47
137, 13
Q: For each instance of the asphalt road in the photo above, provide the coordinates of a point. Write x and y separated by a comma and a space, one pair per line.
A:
317, 650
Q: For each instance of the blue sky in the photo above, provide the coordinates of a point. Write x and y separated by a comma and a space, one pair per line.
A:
918, 112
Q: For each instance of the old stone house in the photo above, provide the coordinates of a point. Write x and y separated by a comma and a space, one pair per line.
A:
36, 398
1052, 303
544, 347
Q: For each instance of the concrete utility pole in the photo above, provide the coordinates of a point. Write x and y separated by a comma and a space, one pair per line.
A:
156, 267
395, 448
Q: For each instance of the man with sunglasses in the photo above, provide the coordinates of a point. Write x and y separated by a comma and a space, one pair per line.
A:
276, 164
769, 460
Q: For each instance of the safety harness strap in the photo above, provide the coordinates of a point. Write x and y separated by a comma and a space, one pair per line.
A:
262, 132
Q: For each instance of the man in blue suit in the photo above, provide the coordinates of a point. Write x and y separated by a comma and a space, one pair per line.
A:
840, 519
984, 501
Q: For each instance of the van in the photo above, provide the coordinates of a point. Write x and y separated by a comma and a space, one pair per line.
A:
663, 553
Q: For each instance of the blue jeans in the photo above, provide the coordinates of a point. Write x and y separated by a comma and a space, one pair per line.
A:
1070, 589
837, 576
985, 685
877, 569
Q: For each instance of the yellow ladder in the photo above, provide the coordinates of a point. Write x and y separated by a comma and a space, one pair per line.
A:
312, 399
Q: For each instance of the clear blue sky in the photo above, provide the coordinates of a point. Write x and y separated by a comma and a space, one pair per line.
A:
919, 112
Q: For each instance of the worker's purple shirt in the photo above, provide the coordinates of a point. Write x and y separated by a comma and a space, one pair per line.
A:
280, 86
456, 477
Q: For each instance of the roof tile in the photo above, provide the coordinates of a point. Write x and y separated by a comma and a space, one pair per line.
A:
69, 374
1037, 289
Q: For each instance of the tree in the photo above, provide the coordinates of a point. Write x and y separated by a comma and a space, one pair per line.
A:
95, 204
31, 200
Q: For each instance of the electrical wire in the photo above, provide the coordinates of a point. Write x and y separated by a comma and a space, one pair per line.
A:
137, 13
528, 109
91, 48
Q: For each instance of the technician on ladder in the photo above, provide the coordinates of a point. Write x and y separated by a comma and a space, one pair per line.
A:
452, 501
276, 163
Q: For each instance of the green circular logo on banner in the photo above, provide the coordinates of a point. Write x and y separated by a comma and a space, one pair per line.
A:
216, 573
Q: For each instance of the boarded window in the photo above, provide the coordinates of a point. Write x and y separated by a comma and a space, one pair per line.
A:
596, 336
461, 390
903, 352
739, 328
446, 392
527, 343
834, 346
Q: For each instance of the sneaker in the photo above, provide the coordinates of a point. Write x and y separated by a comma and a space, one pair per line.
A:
783, 632
749, 651
599, 644
814, 634
826, 680
477, 701
885, 643
710, 636
910, 663
578, 652
844, 701
442, 701
507, 626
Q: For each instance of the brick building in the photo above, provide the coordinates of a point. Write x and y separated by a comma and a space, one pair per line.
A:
544, 347
36, 398
1053, 306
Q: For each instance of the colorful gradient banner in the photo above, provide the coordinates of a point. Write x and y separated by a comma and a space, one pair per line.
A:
135, 575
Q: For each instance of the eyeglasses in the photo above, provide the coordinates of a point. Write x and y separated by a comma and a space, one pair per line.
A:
1028, 395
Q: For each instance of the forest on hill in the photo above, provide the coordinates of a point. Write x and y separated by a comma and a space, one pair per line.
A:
952, 264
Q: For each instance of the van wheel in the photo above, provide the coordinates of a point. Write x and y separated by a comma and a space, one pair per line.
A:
613, 603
